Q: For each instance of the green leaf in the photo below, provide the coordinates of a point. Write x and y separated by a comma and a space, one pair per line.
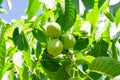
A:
76, 5
42, 77
95, 76
99, 48
62, 73
43, 18
106, 33
27, 58
75, 78
46, 61
38, 19
40, 35
109, 15
81, 43
117, 16
94, 12
114, 8
106, 65
25, 41
77, 24
67, 18
9, 65
53, 66
11, 50
101, 3
33, 7
3, 11
38, 76
19, 40
2, 52
16, 32
115, 51
12, 76
1, 2
38, 49
84, 59
88, 59
34, 77
88, 4
23, 73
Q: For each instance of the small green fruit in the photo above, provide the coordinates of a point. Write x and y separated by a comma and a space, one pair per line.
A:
54, 47
53, 29
68, 40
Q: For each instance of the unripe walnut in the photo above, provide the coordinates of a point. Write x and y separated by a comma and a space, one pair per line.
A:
53, 29
54, 47
68, 40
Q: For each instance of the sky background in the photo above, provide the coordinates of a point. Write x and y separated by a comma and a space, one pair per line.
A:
18, 10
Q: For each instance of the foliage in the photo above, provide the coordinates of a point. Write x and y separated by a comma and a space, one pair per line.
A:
95, 25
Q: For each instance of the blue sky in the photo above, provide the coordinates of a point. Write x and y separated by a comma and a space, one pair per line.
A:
18, 9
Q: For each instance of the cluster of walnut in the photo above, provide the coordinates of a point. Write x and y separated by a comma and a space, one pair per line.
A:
58, 40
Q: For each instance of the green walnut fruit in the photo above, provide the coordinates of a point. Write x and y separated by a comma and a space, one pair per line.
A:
54, 47
68, 40
53, 29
